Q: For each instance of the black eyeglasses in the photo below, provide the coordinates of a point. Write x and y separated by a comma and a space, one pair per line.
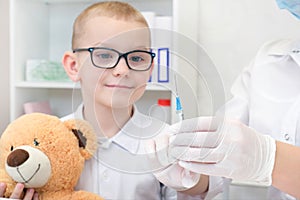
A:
106, 58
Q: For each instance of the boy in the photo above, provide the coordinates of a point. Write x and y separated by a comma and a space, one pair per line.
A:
112, 60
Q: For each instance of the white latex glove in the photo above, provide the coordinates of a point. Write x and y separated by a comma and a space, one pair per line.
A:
167, 170
224, 148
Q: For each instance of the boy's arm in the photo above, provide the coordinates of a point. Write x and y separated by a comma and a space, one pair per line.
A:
208, 187
174, 175
198, 192
200, 188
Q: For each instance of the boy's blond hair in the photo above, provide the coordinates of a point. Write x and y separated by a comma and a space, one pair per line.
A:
114, 9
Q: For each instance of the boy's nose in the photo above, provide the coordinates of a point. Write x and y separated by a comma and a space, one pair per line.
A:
121, 68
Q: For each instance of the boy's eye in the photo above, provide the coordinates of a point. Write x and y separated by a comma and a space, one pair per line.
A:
104, 56
136, 59
35, 142
11, 148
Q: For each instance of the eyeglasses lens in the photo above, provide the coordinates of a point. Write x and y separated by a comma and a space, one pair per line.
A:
106, 58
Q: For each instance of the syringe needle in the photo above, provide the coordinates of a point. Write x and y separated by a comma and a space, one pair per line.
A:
175, 81
187, 179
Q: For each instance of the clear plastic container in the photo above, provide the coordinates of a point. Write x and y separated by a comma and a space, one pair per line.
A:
162, 110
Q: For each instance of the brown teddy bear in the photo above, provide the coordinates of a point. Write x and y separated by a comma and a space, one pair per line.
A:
47, 154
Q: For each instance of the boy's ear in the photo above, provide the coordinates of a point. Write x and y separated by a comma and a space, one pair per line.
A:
70, 64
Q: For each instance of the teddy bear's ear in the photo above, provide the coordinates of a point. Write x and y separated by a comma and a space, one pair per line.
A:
85, 134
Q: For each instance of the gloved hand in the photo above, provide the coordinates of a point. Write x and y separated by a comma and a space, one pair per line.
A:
224, 148
167, 170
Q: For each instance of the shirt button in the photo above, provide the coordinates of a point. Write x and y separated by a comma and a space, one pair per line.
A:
286, 137
105, 176
296, 51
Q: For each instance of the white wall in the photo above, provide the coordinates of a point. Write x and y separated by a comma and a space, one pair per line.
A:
4, 64
231, 31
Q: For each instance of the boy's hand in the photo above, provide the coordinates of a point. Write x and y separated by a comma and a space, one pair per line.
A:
16, 194
168, 171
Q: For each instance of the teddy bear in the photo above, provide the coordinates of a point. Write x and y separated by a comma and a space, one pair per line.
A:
47, 154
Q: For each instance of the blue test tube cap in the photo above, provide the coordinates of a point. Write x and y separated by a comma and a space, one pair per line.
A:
178, 104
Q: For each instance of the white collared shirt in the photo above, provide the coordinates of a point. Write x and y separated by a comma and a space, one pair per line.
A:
266, 96
120, 169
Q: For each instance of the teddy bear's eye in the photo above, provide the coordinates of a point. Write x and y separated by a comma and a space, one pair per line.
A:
11, 148
35, 142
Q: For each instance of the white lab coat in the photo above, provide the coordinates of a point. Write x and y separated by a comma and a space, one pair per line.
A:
266, 96
121, 171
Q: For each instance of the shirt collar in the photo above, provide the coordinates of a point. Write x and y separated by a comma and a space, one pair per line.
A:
138, 128
287, 48
78, 114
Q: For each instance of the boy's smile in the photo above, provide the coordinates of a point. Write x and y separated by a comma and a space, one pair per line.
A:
118, 86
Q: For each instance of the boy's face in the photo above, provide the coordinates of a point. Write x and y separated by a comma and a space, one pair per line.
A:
118, 87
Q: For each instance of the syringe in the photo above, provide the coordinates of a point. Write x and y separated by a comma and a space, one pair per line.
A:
179, 110
187, 179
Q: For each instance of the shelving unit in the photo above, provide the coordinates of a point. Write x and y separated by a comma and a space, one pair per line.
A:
42, 29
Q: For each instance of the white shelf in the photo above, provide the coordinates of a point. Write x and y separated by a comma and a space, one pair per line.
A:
161, 7
71, 85
153, 87
68, 1
49, 85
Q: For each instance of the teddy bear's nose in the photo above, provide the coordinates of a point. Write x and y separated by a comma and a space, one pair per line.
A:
17, 157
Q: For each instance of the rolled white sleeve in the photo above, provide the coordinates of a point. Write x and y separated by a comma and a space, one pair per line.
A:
215, 191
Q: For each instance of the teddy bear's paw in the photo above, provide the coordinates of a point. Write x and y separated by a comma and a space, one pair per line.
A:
83, 195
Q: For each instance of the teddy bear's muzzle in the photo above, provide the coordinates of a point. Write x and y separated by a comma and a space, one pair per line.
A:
28, 165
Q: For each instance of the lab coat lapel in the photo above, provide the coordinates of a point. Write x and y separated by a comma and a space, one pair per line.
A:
295, 54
